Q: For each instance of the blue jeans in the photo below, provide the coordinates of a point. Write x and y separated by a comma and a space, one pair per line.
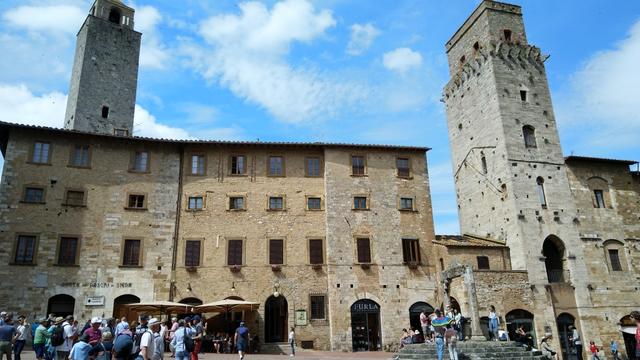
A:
182, 355
293, 348
17, 348
440, 347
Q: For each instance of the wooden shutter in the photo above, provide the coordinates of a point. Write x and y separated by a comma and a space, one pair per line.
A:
317, 307
67, 251
192, 253
276, 251
131, 255
234, 256
315, 251
364, 250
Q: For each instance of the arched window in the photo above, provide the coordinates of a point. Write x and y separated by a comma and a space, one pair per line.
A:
541, 195
507, 35
529, 134
484, 164
517, 318
553, 251
114, 16
614, 253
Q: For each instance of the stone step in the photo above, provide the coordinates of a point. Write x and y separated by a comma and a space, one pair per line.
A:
471, 350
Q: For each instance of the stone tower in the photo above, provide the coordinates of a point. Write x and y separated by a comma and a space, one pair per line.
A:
102, 94
510, 174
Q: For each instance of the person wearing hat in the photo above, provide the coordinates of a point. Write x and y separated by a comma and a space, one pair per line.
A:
94, 333
82, 349
158, 341
241, 338
63, 350
8, 335
198, 332
50, 348
40, 339
144, 324
546, 348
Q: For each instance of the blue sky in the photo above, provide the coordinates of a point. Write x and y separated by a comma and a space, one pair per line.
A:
337, 70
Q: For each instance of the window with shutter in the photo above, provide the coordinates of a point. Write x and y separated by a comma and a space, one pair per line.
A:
238, 165
75, 197
411, 251
313, 167
67, 251
315, 252
80, 156
614, 257
357, 165
317, 307
276, 166
131, 255
25, 250
276, 251
404, 169
234, 255
41, 153
197, 164
192, 253
34, 195
364, 250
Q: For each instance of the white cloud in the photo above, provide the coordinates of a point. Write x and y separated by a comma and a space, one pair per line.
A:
362, 36
248, 56
146, 124
602, 102
19, 105
54, 18
153, 53
401, 59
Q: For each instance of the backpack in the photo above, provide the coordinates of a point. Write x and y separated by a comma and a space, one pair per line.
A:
123, 346
106, 354
57, 337
138, 340
189, 344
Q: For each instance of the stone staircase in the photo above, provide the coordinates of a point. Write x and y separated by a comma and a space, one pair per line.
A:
471, 350
277, 348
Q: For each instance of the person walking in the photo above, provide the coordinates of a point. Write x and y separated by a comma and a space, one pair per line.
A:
62, 351
23, 333
158, 340
614, 350
424, 324
198, 333
178, 340
292, 341
8, 336
40, 337
146, 342
576, 341
494, 322
451, 340
594, 351
241, 338
439, 325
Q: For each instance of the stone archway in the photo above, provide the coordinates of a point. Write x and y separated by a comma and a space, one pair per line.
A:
414, 313
366, 327
276, 311
61, 305
519, 317
553, 250
119, 310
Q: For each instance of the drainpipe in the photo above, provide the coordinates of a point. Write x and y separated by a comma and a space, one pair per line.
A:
176, 234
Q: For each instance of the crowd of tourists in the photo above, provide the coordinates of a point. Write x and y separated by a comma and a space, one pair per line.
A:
63, 338
444, 329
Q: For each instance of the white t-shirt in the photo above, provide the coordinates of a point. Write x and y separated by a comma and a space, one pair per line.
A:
68, 335
147, 341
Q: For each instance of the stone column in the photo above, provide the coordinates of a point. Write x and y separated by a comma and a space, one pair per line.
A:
470, 285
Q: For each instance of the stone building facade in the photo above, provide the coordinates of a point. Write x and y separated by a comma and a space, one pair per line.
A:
571, 224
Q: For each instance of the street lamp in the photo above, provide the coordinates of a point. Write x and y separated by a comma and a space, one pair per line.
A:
276, 287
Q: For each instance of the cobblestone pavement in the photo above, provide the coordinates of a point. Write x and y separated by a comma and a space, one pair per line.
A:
306, 355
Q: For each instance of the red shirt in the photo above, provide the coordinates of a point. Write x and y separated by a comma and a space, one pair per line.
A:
593, 348
94, 335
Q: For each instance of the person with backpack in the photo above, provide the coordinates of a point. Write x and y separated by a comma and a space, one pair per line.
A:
144, 347
198, 333
158, 340
182, 342
62, 350
8, 336
56, 338
123, 344
81, 350
241, 339
104, 349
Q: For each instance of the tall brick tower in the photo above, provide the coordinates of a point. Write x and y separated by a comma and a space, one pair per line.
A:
102, 94
510, 175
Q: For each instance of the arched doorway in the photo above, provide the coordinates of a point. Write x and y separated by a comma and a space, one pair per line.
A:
414, 313
454, 303
564, 321
191, 301
365, 325
61, 305
628, 328
517, 318
276, 311
553, 251
119, 310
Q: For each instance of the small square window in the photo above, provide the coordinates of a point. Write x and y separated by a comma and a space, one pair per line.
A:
314, 203
136, 201
404, 168
197, 165
360, 203
67, 251
25, 250
238, 165
192, 253
483, 262
34, 195
276, 166
406, 204
141, 161
131, 253
41, 152
317, 307
523, 95
313, 167
357, 165
276, 203
236, 203
80, 157
75, 198
196, 202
